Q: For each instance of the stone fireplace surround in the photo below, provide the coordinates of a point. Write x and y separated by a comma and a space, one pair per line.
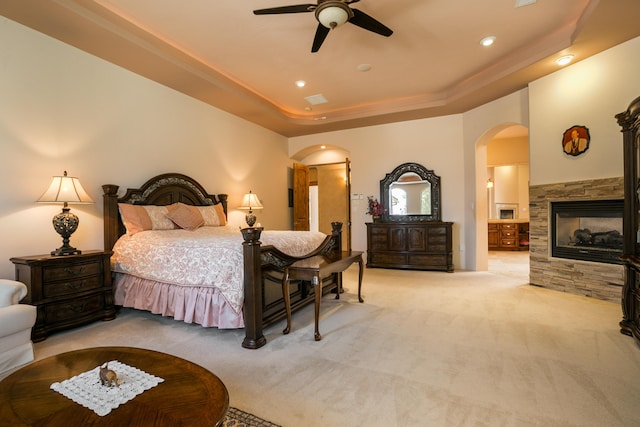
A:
592, 279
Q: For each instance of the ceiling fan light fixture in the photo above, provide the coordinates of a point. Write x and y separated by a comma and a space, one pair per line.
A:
332, 14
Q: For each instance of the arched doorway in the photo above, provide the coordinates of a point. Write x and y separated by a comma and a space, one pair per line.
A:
329, 187
502, 154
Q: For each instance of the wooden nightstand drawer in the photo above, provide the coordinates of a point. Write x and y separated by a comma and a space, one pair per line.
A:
71, 271
54, 289
73, 309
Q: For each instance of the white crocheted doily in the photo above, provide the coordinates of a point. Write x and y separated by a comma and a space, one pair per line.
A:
87, 390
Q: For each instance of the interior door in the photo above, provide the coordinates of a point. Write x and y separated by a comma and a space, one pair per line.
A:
300, 197
347, 231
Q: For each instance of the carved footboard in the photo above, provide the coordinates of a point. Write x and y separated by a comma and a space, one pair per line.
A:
263, 268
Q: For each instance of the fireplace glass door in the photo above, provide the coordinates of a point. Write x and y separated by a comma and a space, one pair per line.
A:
588, 230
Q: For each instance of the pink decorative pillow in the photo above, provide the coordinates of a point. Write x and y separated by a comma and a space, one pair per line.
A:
213, 215
158, 216
185, 216
135, 218
222, 218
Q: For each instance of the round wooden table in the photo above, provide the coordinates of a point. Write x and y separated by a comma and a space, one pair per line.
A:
190, 395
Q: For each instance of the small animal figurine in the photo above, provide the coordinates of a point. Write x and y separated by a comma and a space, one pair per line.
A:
108, 377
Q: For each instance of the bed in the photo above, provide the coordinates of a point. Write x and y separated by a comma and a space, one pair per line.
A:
208, 273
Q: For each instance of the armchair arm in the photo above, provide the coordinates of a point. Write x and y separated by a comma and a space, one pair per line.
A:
11, 292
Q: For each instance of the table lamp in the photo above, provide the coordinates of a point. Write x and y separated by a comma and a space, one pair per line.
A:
250, 202
65, 189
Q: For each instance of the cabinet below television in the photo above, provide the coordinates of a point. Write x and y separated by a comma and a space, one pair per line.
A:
410, 245
508, 236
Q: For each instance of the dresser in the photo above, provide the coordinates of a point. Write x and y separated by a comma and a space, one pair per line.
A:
410, 245
508, 236
67, 290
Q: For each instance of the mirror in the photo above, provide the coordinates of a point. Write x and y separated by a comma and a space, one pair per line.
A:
411, 193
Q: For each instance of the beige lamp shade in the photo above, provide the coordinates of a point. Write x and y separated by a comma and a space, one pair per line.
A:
250, 202
65, 189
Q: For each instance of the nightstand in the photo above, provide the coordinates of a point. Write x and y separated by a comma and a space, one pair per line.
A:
67, 290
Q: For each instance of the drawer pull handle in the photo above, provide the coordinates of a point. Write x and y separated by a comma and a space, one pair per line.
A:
72, 271
73, 286
78, 308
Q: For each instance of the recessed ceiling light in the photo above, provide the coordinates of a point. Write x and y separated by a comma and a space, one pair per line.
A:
488, 41
564, 60
301, 83
364, 67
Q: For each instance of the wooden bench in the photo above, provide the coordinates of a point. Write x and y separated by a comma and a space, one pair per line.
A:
314, 269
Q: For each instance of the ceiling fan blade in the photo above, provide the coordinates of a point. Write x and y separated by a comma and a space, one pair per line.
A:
363, 20
298, 8
321, 34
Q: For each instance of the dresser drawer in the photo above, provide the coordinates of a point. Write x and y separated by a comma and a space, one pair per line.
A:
378, 242
378, 230
71, 287
386, 258
429, 261
71, 271
508, 242
73, 309
508, 234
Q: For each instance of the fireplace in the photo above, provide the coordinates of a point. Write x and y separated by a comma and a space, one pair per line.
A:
588, 230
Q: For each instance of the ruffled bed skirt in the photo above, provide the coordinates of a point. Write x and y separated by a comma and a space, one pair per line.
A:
203, 305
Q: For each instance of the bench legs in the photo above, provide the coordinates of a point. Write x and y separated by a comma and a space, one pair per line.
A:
360, 272
287, 300
317, 286
316, 280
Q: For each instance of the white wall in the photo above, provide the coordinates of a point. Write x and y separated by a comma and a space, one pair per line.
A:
62, 109
589, 93
375, 151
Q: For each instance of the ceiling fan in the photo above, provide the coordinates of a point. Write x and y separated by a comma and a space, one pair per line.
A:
331, 14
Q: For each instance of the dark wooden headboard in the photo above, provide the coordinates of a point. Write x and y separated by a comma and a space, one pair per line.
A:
161, 190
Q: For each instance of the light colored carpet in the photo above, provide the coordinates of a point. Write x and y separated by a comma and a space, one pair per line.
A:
425, 349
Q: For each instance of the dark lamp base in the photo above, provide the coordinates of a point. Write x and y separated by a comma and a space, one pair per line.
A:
66, 250
65, 223
250, 218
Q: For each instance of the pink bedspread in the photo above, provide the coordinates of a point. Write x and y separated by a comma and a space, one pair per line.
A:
194, 276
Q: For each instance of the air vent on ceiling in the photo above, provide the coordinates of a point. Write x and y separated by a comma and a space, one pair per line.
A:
520, 3
316, 99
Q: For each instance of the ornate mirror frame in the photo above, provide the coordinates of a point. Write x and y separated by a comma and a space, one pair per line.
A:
426, 175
